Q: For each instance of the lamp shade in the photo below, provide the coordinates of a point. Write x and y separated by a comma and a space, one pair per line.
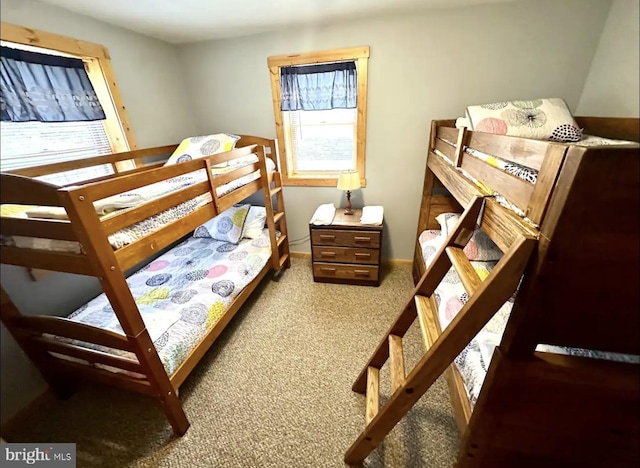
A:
349, 180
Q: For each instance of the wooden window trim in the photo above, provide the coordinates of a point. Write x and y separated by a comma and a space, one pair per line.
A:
360, 55
98, 65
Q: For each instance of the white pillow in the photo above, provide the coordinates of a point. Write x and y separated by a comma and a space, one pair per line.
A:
254, 224
542, 119
227, 226
201, 146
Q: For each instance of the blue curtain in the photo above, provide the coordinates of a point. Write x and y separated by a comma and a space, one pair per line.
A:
319, 87
47, 88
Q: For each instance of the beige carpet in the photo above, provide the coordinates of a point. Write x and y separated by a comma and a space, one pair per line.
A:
273, 391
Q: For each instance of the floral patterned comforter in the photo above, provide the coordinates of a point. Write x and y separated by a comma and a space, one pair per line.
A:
182, 294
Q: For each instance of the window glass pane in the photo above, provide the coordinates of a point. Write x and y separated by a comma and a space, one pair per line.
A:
321, 140
27, 144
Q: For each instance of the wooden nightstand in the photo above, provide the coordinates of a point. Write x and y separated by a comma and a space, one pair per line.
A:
346, 251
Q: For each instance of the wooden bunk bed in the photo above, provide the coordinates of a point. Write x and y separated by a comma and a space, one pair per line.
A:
64, 350
571, 253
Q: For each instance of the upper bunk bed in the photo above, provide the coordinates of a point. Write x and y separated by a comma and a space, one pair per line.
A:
108, 225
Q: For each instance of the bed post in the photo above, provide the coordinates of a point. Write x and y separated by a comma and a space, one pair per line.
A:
88, 229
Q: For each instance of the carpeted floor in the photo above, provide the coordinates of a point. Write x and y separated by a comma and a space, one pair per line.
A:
273, 391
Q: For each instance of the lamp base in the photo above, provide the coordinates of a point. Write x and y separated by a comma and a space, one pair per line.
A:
348, 211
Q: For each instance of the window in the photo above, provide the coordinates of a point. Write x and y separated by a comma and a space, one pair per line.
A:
316, 145
27, 144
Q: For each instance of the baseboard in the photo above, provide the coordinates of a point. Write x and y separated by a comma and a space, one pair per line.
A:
45, 397
391, 262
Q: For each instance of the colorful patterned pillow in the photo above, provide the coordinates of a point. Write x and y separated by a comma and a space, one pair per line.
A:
541, 119
254, 224
227, 226
201, 146
479, 248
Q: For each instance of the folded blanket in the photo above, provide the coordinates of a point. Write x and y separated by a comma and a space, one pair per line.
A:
324, 214
372, 215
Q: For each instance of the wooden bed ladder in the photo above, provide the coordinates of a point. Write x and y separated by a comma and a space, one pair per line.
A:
485, 298
276, 220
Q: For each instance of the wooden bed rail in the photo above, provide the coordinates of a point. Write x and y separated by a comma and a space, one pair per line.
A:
545, 157
135, 155
125, 183
66, 328
270, 146
20, 190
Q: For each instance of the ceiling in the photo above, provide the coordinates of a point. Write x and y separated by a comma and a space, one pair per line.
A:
181, 21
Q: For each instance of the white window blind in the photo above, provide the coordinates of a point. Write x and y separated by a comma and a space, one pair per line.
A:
27, 144
321, 141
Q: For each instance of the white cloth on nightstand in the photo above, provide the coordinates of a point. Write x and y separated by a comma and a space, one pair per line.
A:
372, 215
324, 214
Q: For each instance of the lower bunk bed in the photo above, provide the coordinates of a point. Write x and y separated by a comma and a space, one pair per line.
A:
147, 331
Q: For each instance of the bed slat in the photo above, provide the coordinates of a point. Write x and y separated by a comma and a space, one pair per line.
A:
83, 371
503, 226
448, 133
446, 149
46, 229
514, 189
90, 355
90, 162
124, 218
44, 260
234, 174
227, 201
69, 329
133, 254
20, 190
523, 151
461, 189
126, 183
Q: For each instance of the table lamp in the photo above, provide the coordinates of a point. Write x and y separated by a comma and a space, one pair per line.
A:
349, 180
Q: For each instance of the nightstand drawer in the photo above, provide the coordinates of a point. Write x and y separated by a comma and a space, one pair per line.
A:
345, 254
341, 271
345, 238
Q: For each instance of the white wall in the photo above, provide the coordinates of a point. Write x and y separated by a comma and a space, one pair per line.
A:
422, 66
149, 77
613, 84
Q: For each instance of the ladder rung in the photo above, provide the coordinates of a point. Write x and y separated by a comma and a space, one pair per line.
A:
373, 393
468, 276
396, 362
283, 260
281, 239
278, 216
427, 313
272, 192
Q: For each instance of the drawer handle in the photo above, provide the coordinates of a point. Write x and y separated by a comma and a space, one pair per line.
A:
364, 255
328, 270
327, 237
327, 254
361, 272
362, 239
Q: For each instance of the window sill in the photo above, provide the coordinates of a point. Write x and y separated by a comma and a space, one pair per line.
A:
302, 181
